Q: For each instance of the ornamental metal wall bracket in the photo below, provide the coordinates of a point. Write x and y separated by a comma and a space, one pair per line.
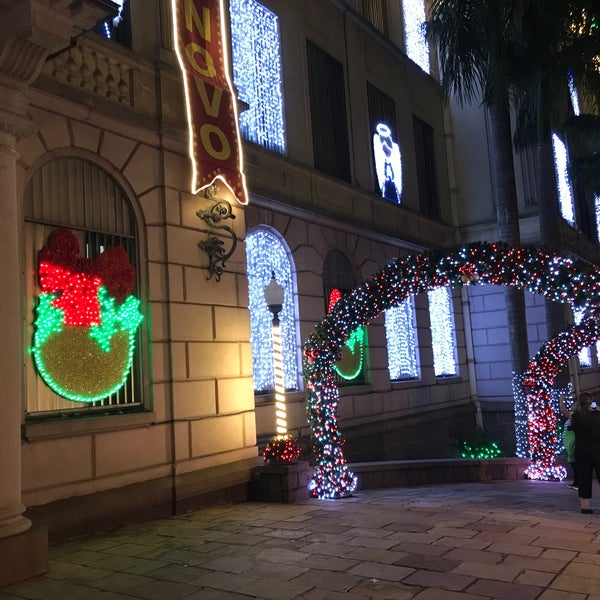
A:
214, 246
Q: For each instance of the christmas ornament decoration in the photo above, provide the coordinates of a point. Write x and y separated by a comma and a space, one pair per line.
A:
86, 319
557, 278
350, 362
282, 450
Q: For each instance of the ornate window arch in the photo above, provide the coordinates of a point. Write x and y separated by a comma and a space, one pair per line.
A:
75, 194
267, 254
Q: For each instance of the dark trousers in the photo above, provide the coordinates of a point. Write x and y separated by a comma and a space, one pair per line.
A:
585, 470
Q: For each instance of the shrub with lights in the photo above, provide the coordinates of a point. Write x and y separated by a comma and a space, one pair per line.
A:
86, 319
557, 278
282, 450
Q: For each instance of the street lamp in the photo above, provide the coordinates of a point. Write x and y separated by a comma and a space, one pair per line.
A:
274, 296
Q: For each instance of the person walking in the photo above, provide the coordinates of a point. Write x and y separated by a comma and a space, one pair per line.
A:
569, 437
585, 422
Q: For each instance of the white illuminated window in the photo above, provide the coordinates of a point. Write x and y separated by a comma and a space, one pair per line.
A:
401, 340
442, 332
388, 163
417, 47
256, 59
585, 355
266, 255
597, 213
574, 95
565, 194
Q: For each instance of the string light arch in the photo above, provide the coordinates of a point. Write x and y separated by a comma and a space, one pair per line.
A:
557, 278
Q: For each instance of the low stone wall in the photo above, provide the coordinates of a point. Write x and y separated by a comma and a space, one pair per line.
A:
280, 483
399, 473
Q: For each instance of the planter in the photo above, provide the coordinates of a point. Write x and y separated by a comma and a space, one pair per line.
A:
280, 483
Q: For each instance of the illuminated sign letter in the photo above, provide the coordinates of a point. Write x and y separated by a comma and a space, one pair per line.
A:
214, 138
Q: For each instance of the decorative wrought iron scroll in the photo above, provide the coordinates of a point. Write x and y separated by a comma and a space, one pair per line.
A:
214, 246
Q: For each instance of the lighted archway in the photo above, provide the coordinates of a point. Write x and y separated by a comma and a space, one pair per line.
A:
555, 277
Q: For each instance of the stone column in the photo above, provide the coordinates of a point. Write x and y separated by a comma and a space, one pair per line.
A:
24, 551
30, 31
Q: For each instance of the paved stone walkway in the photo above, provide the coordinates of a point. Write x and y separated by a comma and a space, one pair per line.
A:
519, 540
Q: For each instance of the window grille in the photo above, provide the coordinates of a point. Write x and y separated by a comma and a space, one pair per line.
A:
80, 196
375, 13
429, 204
387, 159
331, 148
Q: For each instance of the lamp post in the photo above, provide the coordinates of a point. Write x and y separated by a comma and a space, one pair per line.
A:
274, 296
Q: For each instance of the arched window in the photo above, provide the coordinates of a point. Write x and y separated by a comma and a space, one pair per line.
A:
265, 256
338, 281
256, 58
401, 340
77, 195
441, 318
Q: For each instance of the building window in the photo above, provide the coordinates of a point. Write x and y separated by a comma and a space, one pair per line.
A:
401, 336
386, 151
417, 47
585, 354
441, 319
78, 195
565, 193
429, 204
375, 13
119, 28
267, 255
256, 58
331, 148
338, 281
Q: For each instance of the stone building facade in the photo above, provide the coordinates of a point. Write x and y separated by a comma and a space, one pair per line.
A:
94, 139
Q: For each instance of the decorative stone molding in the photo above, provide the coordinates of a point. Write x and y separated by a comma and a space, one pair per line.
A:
86, 66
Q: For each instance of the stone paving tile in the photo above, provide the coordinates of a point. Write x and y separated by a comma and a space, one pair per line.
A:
538, 578
500, 572
332, 563
557, 595
160, 590
539, 564
506, 540
329, 580
121, 582
470, 555
447, 581
375, 589
181, 573
271, 589
318, 594
518, 549
571, 583
381, 571
456, 542
429, 563
423, 549
502, 590
441, 594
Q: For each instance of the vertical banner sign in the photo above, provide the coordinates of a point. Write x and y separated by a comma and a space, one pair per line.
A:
201, 47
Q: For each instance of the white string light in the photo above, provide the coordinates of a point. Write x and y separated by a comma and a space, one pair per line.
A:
442, 332
401, 341
265, 255
256, 58
565, 194
417, 47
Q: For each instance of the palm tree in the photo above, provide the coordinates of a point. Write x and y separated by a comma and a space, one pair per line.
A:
555, 38
474, 39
